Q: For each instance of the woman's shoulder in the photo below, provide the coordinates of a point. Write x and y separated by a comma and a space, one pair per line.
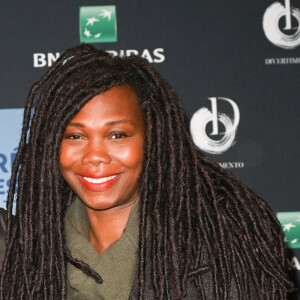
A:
3, 219
3, 226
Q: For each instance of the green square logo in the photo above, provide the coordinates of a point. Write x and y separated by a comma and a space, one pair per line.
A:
98, 24
290, 222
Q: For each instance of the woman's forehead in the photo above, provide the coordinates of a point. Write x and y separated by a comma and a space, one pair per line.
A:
117, 103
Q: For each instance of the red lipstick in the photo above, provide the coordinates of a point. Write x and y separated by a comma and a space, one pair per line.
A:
93, 182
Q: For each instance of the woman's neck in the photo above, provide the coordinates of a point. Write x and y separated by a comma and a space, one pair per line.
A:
106, 226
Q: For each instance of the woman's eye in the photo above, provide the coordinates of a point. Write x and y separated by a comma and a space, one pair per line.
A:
72, 137
119, 135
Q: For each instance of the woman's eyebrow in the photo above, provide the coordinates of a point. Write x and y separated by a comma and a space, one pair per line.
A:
110, 123
74, 124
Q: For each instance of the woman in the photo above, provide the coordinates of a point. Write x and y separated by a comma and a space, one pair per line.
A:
115, 201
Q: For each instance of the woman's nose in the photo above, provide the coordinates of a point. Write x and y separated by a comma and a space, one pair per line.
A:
96, 153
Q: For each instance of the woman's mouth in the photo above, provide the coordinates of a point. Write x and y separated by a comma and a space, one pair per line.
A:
99, 184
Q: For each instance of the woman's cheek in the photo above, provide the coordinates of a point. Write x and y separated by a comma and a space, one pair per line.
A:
68, 155
130, 156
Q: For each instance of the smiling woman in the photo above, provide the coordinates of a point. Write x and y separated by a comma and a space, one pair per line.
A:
102, 150
116, 202
101, 158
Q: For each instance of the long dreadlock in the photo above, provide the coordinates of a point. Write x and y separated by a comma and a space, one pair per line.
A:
193, 204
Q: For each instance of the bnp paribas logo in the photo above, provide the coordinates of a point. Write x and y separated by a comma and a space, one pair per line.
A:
290, 222
98, 24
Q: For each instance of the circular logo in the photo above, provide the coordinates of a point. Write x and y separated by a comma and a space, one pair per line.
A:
282, 25
203, 117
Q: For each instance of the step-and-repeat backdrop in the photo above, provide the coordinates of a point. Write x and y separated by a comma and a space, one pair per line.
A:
235, 65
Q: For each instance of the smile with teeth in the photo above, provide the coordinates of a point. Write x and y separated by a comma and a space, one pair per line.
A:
99, 180
98, 184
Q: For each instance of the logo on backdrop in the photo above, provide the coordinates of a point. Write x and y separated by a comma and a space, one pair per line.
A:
295, 263
98, 24
212, 131
281, 24
11, 124
290, 222
156, 55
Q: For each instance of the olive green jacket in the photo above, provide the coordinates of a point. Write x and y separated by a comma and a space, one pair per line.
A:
149, 292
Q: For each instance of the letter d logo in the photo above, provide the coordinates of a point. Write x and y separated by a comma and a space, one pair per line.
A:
281, 25
203, 117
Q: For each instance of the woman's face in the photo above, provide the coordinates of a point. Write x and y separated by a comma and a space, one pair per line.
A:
101, 154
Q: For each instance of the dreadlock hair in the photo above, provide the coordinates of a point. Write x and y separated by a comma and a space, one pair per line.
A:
193, 204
